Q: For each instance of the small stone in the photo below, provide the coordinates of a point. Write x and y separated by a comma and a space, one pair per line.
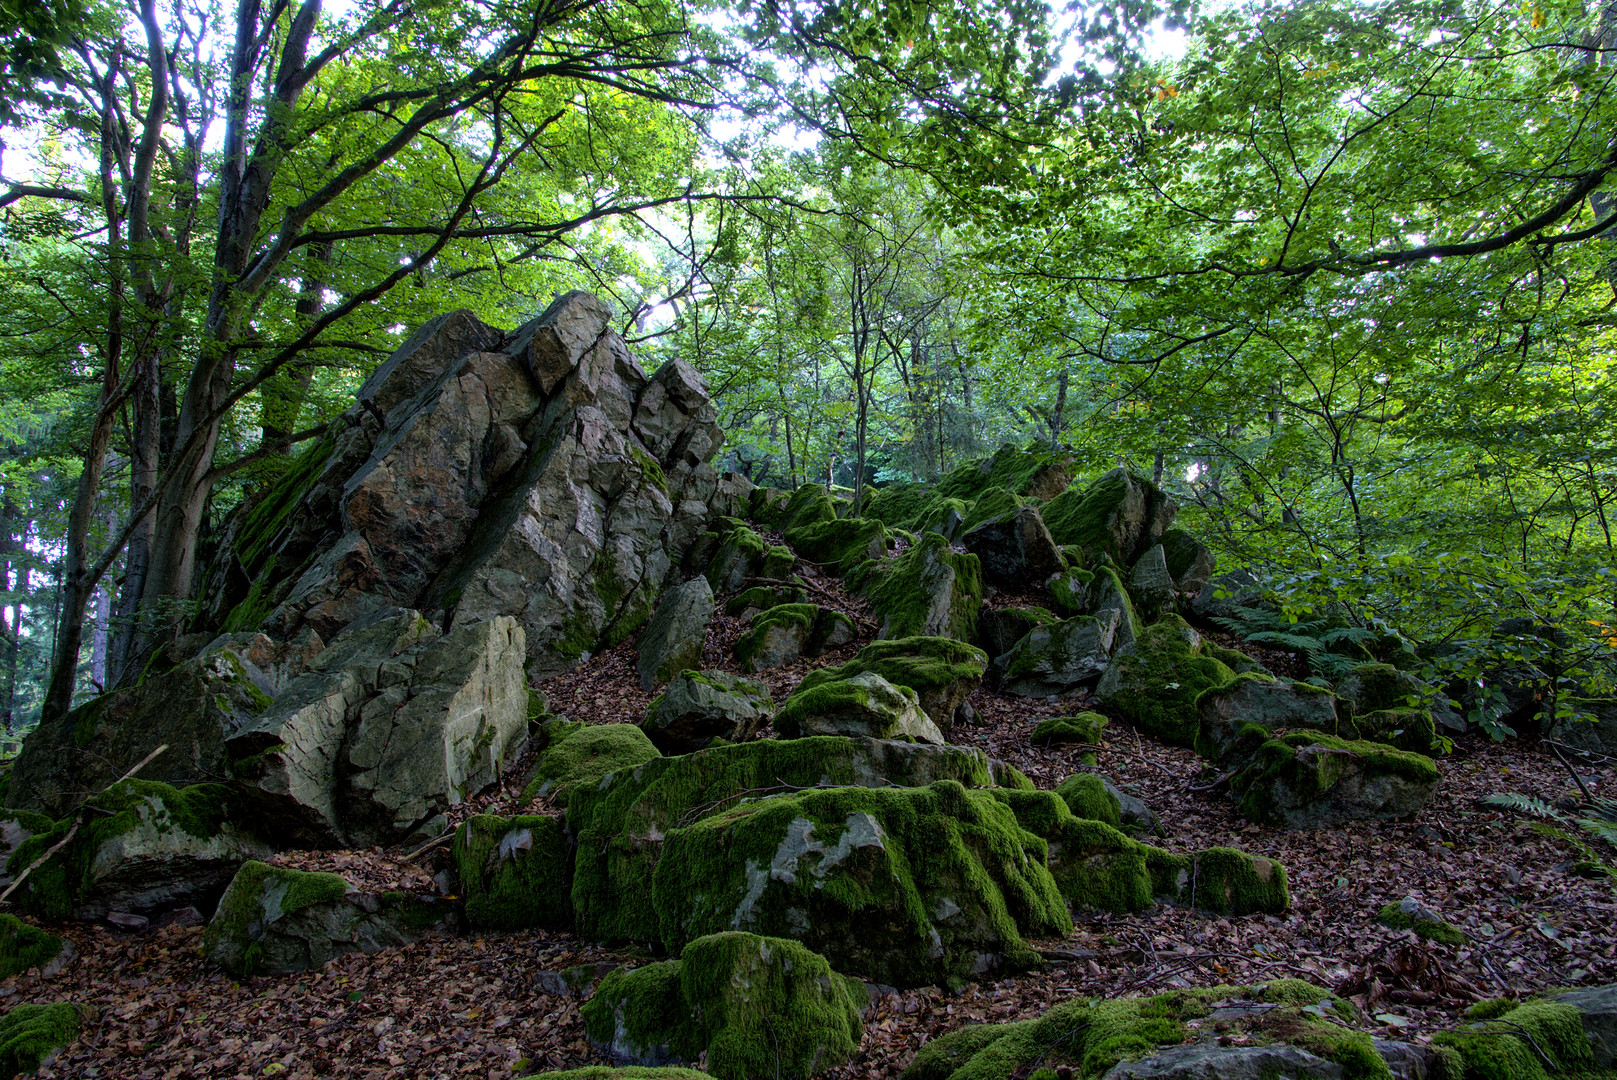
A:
127, 921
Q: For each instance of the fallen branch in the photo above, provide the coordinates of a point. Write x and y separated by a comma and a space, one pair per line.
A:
428, 846
82, 810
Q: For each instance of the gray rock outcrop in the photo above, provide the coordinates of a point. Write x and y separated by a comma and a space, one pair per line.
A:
699, 707
1058, 658
673, 640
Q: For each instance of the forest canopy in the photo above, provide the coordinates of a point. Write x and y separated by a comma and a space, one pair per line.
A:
1337, 275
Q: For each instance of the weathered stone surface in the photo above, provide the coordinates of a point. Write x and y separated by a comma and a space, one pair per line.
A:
623, 820
392, 725
1213, 1062
1239, 714
191, 709
1598, 1008
146, 847
275, 921
1057, 658
699, 707
1000, 628
672, 641
1120, 515
786, 632
1107, 592
1150, 583
860, 705
1015, 549
941, 671
541, 476
825, 867
746, 1006
1189, 561
929, 590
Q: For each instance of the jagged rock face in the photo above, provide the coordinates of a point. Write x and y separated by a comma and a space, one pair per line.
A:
392, 725
539, 475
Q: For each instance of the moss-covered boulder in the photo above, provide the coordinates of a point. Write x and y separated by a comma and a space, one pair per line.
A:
1098, 867
1015, 548
16, 826
840, 544
515, 873
860, 705
929, 589
1000, 628
1311, 780
1089, 1038
623, 1072
23, 947
906, 886
1120, 515
1155, 682
1089, 797
622, 822
274, 921
672, 641
766, 504
1107, 592
749, 1006
1410, 914
143, 847
942, 671
993, 503
189, 709
809, 504
1539, 1039
32, 1034
1035, 471
1082, 728
900, 506
785, 633
1057, 658
578, 755
741, 557
1236, 715
700, 706
1414, 730
1069, 590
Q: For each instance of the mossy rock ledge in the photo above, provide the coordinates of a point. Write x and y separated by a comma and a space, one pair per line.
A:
31, 1035
623, 822
750, 1006
1311, 780
1154, 682
782, 634
862, 705
579, 755
274, 921
515, 872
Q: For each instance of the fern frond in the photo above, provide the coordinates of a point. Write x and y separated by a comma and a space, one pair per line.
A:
1522, 804
1352, 635
1282, 640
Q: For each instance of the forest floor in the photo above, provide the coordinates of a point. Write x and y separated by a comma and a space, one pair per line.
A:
489, 1005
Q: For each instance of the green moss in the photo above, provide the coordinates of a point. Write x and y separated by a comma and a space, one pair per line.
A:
623, 1072
1509, 1046
52, 891
928, 589
581, 756
741, 555
1069, 590
29, 1034
809, 504
841, 543
1086, 796
754, 1006
1278, 764
1237, 661
258, 895
941, 848
1083, 728
1413, 730
620, 824
23, 946
941, 670
255, 607
1154, 683
1394, 917
1091, 1037
1232, 882
1084, 519
764, 597
649, 468
990, 505
516, 872
267, 515
1035, 470
538, 705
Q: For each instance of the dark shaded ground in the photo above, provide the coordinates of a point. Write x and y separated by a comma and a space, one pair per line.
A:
478, 1006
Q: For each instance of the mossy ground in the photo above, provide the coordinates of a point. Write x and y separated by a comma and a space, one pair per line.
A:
515, 872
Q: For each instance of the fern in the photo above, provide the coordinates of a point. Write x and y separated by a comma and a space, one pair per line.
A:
1602, 826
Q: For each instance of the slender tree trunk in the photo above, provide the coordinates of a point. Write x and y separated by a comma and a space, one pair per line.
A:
1060, 410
